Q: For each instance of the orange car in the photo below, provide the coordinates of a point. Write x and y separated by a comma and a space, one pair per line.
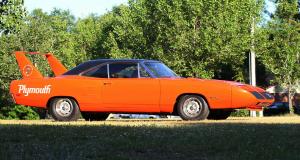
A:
98, 87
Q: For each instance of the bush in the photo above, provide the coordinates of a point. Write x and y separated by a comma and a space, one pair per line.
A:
240, 113
18, 112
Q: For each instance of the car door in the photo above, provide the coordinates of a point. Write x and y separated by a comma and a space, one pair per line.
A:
91, 90
129, 90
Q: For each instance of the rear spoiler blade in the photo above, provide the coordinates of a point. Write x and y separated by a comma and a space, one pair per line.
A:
28, 70
55, 65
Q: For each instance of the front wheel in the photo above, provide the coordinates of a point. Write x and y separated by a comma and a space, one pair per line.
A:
192, 107
94, 116
64, 109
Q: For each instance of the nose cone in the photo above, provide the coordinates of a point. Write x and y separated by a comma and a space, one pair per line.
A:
250, 97
242, 98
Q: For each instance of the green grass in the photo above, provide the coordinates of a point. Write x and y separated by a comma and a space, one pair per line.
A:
235, 139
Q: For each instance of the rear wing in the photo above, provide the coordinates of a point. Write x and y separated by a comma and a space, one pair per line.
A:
28, 70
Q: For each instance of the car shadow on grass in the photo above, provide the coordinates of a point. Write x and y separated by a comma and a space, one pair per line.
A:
188, 141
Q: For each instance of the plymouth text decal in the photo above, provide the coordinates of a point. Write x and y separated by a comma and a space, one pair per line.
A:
26, 91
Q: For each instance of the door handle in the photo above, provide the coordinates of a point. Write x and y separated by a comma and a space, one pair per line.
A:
106, 83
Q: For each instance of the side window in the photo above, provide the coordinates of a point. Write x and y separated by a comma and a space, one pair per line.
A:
99, 72
123, 70
143, 72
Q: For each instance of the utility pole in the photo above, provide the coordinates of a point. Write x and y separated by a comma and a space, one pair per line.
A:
252, 67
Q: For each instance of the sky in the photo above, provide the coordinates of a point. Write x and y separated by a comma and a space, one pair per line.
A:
270, 6
79, 8
83, 8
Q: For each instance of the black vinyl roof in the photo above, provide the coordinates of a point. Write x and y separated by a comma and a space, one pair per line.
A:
89, 64
122, 60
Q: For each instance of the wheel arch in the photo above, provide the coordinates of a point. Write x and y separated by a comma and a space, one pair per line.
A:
50, 99
184, 94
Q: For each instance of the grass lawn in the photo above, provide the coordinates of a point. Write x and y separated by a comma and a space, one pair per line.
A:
236, 138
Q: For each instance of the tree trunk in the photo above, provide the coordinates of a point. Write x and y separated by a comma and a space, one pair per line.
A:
291, 108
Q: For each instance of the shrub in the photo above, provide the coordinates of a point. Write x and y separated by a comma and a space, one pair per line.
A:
18, 112
240, 113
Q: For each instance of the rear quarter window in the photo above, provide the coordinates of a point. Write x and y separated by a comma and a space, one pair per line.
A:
98, 72
82, 67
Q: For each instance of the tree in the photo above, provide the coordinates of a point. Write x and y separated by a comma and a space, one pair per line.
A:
280, 50
196, 38
40, 32
11, 14
86, 32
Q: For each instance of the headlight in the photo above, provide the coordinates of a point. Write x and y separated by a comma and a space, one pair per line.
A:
257, 95
267, 95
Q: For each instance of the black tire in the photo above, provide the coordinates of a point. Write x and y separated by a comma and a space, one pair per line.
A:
64, 109
192, 107
219, 114
94, 116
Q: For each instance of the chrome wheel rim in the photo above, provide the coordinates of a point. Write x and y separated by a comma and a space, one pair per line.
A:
192, 107
64, 107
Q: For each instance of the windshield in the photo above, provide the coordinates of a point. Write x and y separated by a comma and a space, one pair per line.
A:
160, 70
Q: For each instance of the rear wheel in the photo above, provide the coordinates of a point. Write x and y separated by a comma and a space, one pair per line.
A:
94, 116
64, 109
219, 114
192, 107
